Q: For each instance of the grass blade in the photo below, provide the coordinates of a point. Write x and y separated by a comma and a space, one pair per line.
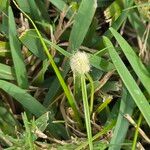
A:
20, 70
23, 97
134, 60
28, 133
136, 133
104, 104
87, 112
82, 22
6, 72
24, 5
126, 107
31, 104
129, 82
101, 63
31, 40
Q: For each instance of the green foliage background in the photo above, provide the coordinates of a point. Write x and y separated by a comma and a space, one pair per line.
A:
44, 105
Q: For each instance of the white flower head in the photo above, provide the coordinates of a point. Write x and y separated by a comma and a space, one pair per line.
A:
79, 63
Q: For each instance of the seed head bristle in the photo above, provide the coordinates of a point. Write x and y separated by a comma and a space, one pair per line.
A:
79, 63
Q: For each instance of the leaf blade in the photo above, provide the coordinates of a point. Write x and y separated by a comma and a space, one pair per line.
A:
129, 82
34, 106
6, 72
126, 107
19, 66
135, 62
82, 22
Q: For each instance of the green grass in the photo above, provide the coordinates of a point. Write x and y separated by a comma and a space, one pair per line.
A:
86, 111
46, 105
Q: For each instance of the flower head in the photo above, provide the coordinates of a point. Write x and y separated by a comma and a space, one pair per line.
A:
79, 63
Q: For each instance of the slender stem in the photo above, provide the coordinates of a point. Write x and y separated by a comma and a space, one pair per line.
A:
86, 111
136, 132
77, 86
107, 128
92, 92
68, 93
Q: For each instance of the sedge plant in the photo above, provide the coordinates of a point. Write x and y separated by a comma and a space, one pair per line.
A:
80, 66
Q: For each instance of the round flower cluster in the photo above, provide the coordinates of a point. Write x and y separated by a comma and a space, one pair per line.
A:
79, 63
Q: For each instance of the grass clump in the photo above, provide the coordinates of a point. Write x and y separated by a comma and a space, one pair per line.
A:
74, 74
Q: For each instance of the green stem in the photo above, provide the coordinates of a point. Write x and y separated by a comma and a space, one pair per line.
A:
68, 93
92, 92
136, 132
98, 135
86, 111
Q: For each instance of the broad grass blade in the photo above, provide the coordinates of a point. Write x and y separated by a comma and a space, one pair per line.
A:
129, 82
134, 60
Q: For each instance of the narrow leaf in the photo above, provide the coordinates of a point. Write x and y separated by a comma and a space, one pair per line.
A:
6, 72
126, 107
82, 22
129, 82
34, 106
19, 66
134, 60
